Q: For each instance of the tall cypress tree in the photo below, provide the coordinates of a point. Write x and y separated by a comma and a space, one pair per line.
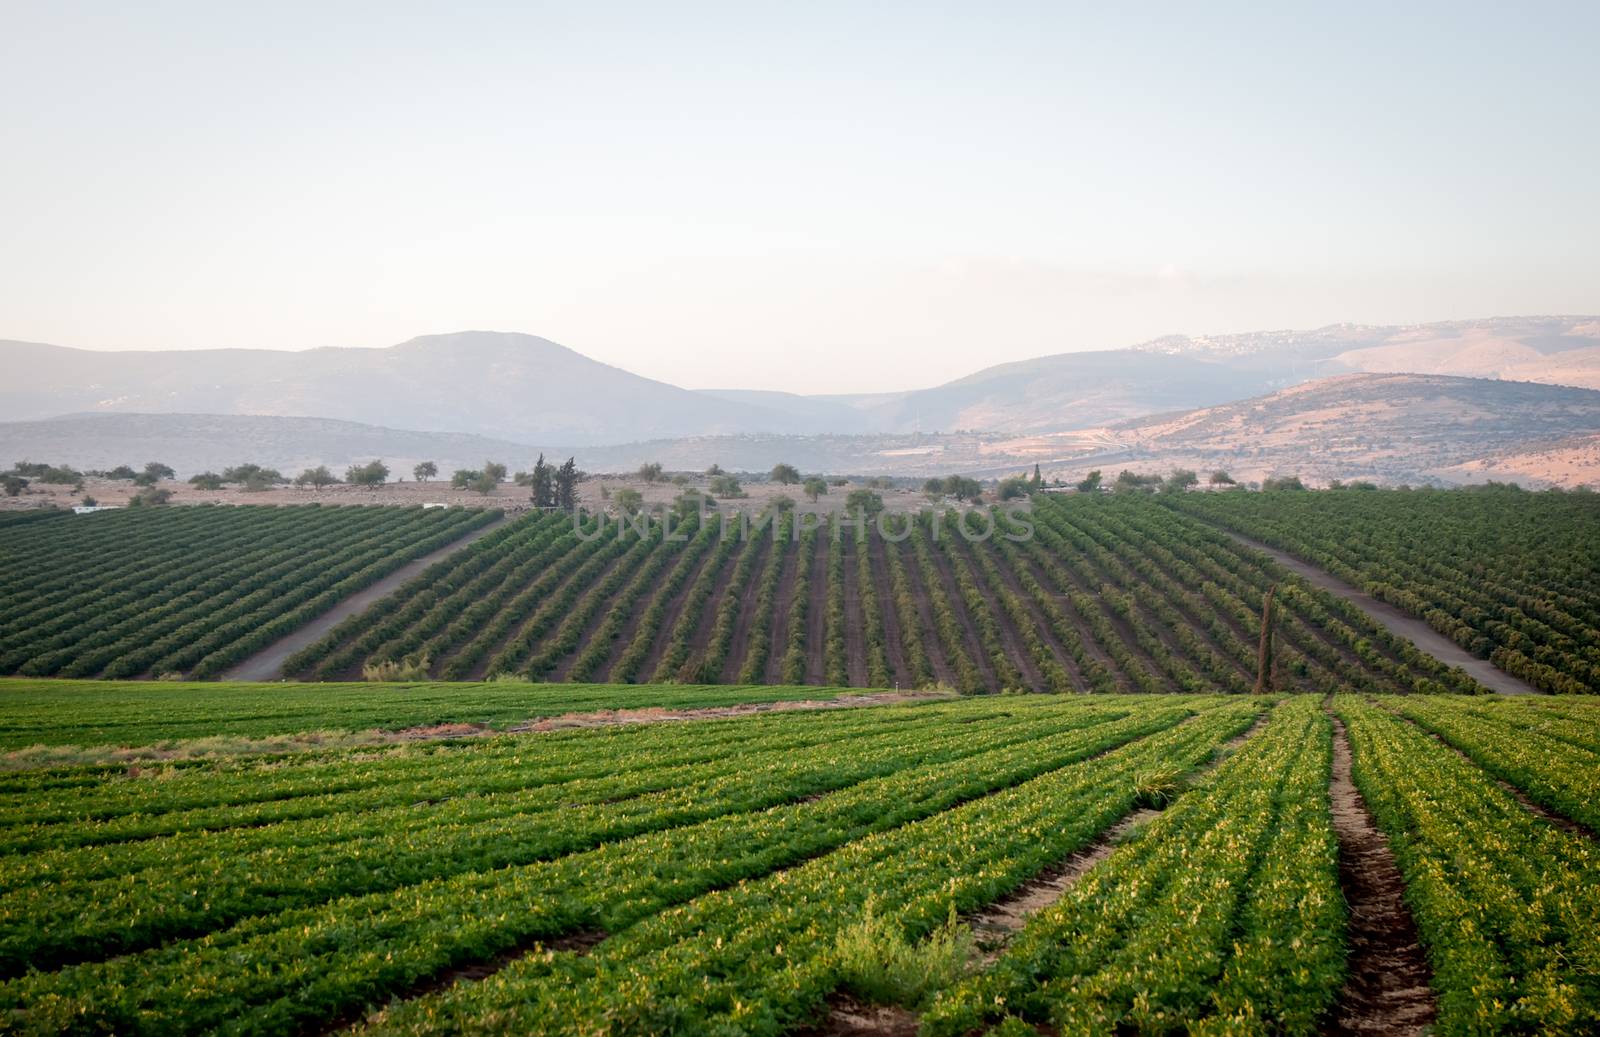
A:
567, 485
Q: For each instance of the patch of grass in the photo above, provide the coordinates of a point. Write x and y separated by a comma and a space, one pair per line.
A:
398, 670
1156, 787
877, 963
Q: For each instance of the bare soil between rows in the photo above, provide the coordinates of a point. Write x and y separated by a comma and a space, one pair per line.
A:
1388, 990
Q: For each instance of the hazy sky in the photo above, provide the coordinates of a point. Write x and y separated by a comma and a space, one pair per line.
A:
778, 195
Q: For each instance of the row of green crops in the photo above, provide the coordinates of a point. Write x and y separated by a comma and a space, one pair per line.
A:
705, 877
1508, 575
1504, 901
1089, 594
1223, 913
193, 590
585, 849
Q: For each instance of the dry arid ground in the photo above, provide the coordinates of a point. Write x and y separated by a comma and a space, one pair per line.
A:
595, 493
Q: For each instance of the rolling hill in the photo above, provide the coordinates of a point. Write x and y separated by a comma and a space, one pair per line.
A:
1389, 427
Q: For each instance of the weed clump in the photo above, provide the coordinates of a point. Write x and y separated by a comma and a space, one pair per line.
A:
878, 964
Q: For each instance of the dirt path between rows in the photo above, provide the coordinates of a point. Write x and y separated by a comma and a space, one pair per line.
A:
265, 664
993, 926
671, 617
748, 597
1399, 623
1010, 635
817, 610
1388, 989
944, 573
856, 618
783, 613
922, 602
1047, 633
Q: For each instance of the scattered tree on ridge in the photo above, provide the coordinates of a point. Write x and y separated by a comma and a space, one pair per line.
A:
373, 473
318, 477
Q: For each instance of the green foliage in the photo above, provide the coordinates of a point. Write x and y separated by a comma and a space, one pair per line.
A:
317, 477
206, 481
424, 471
1014, 488
1506, 575
149, 497
194, 590
863, 501
373, 473
727, 487
785, 474
252, 473
1180, 479
650, 472
875, 961
397, 670
816, 487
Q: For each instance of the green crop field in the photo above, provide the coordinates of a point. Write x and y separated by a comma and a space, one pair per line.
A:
136, 714
1509, 575
752, 874
1094, 595
670, 785
152, 591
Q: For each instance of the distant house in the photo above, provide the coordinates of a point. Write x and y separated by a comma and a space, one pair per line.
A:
425, 507
90, 509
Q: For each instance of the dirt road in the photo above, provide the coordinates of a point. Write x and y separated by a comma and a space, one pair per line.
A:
264, 665
1399, 623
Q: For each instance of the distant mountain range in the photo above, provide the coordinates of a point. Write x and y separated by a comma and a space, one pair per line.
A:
1390, 428
1263, 400
526, 389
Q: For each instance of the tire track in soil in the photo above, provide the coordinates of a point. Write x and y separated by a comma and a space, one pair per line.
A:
930, 636
739, 643
1010, 637
674, 613
782, 613
1388, 990
945, 572
817, 610
855, 620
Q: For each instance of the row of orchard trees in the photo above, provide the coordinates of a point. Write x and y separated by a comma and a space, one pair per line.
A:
550, 485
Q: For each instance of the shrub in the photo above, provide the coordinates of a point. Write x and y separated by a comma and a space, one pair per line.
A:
397, 670
876, 961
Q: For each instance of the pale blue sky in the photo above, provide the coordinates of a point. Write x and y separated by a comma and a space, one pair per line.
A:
812, 196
